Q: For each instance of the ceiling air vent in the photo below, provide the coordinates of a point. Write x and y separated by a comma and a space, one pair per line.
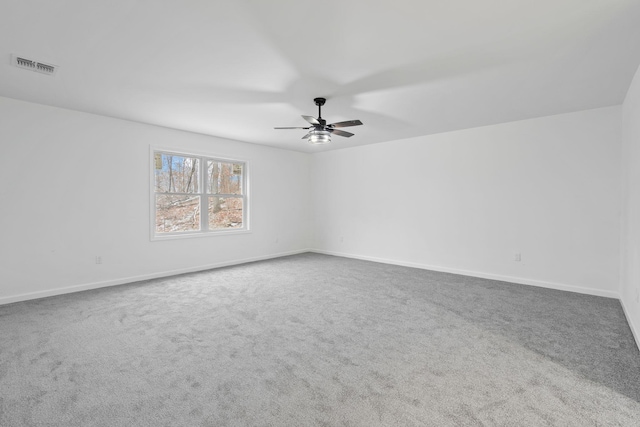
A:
33, 65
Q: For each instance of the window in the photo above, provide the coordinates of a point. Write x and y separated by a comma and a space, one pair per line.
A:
197, 194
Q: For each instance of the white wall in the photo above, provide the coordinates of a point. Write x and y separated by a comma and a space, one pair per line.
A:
630, 241
467, 201
53, 225
464, 201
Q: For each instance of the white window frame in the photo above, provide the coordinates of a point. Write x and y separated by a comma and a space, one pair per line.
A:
202, 193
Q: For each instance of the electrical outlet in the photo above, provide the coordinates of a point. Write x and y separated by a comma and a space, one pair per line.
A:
98, 259
517, 257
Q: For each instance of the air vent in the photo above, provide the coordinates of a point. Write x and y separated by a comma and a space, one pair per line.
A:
33, 65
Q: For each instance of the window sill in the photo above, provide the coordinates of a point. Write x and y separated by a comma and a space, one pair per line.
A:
186, 235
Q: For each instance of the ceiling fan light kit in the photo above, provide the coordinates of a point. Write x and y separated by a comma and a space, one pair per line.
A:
319, 137
320, 132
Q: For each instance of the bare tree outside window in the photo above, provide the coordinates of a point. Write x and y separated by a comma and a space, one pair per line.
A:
225, 180
177, 201
183, 205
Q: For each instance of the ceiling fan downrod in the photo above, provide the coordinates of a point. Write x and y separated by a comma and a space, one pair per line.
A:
319, 102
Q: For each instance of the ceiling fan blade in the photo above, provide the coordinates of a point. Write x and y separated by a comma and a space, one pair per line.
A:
294, 128
311, 120
346, 124
340, 132
306, 136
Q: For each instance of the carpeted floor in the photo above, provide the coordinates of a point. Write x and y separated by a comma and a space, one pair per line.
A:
315, 340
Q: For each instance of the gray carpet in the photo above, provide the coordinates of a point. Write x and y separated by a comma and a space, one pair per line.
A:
315, 340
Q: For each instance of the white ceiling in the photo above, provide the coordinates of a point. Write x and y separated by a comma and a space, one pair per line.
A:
237, 68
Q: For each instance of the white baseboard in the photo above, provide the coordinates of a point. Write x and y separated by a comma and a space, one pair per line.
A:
634, 330
482, 275
131, 279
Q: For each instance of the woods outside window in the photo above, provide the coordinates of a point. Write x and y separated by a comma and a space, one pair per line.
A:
195, 195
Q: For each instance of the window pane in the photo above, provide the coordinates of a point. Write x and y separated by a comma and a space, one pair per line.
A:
177, 213
225, 213
224, 178
176, 174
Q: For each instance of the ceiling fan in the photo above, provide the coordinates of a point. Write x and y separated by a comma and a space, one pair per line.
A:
320, 132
